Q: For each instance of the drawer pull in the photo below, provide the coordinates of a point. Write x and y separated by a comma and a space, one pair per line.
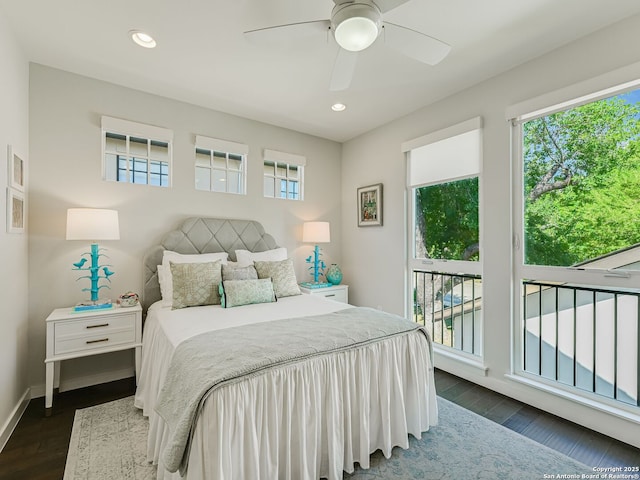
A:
98, 326
332, 295
97, 341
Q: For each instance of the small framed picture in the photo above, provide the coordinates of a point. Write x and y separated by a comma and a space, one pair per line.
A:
16, 173
15, 211
370, 206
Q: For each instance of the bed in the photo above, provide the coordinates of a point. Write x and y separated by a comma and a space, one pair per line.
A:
336, 382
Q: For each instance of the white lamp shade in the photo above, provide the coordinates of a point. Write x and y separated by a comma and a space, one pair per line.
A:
92, 224
316, 232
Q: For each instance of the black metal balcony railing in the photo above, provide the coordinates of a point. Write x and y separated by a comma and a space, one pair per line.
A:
450, 307
583, 337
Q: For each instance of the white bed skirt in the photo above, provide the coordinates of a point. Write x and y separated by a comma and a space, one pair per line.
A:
310, 420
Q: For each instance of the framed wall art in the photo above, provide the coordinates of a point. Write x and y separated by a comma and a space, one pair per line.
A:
370, 206
16, 213
16, 173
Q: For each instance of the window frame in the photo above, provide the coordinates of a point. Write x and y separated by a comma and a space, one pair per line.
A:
444, 266
517, 116
151, 134
276, 159
228, 149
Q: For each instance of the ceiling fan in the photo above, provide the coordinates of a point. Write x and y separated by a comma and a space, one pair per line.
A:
355, 25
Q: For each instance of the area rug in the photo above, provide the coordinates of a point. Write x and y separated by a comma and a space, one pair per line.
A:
108, 442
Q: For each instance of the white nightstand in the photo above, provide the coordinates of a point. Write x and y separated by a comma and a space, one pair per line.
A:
339, 293
79, 334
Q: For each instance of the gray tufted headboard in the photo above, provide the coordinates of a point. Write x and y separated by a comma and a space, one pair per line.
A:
203, 235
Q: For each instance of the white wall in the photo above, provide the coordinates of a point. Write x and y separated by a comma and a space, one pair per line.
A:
377, 269
65, 117
14, 125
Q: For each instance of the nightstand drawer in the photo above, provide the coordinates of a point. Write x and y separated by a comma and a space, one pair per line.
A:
337, 295
94, 333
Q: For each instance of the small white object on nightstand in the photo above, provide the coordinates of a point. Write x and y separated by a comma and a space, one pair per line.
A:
339, 293
72, 334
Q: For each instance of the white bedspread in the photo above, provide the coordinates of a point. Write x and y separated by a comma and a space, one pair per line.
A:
306, 421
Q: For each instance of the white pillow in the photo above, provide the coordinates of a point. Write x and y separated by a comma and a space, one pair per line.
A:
164, 270
175, 257
246, 258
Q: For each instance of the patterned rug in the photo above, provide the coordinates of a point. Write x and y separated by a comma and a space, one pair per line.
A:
108, 442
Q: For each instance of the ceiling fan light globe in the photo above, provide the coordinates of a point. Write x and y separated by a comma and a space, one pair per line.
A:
356, 25
356, 33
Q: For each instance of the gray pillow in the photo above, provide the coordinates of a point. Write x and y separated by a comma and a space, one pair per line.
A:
234, 293
239, 273
195, 284
283, 276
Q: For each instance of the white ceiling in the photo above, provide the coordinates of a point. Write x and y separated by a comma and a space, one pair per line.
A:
203, 58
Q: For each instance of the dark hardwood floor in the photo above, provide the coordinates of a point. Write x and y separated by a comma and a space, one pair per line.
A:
37, 450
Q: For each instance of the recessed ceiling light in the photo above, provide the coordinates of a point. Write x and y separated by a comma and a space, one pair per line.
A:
338, 107
143, 39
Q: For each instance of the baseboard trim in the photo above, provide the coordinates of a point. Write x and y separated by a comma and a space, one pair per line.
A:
38, 391
10, 425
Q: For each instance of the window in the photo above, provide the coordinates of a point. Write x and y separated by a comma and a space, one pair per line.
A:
136, 153
578, 212
220, 165
443, 184
283, 175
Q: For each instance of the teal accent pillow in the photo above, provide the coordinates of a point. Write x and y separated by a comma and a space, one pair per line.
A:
234, 293
195, 284
282, 274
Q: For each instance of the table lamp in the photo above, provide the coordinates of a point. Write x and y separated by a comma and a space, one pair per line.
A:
316, 232
93, 224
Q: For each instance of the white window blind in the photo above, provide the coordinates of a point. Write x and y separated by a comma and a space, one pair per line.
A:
218, 145
134, 129
451, 153
283, 157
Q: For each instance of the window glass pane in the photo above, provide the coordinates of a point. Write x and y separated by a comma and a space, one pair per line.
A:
235, 156
269, 168
115, 143
281, 170
219, 180
158, 174
159, 151
293, 172
203, 158
582, 185
447, 221
203, 178
219, 159
269, 187
139, 171
111, 167
138, 146
234, 184
235, 162
122, 169
283, 189
293, 190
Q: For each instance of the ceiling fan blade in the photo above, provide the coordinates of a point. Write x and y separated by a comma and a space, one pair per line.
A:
386, 5
289, 33
414, 44
343, 69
